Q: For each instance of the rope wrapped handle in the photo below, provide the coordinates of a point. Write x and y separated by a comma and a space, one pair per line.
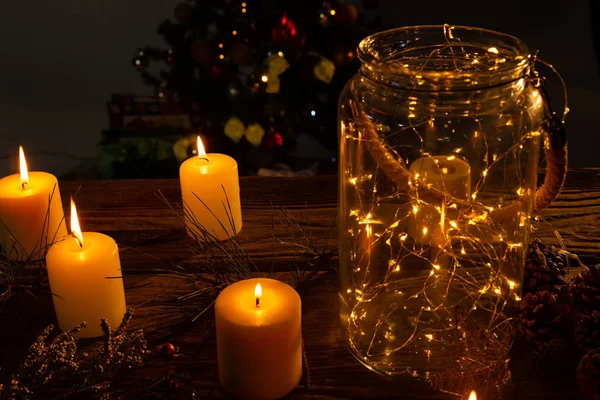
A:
556, 151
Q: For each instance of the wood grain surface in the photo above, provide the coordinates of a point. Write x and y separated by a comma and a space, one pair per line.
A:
151, 236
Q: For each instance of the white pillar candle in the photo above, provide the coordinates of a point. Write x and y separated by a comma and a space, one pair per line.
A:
84, 273
259, 339
31, 214
211, 179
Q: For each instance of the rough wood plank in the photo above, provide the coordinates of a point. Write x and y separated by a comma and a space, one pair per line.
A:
131, 212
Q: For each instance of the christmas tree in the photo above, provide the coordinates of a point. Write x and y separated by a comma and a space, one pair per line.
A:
256, 75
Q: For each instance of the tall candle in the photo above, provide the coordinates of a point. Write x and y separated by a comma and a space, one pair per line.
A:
84, 272
259, 339
210, 190
31, 214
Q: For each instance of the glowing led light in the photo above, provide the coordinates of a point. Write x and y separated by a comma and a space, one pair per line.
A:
444, 171
429, 336
451, 158
280, 53
264, 78
493, 50
511, 284
353, 180
332, 12
485, 172
425, 231
453, 224
415, 210
435, 266
234, 33
220, 45
221, 56
403, 237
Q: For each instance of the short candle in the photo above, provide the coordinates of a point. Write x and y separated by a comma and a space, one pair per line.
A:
259, 339
210, 190
31, 214
84, 272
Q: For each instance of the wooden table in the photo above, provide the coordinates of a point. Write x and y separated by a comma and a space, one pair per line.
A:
150, 237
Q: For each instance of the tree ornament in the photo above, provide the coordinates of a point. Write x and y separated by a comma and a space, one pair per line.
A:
343, 56
284, 32
254, 134
140, 60
166, 350
587, 331
370, 4
544, 267
241, 54
183, 12
585, 289
276, 64
345, 13
182, 147
235, 129
550, 354
201, 51
169, 57
588, 375
324, 70
541, 316
273, 140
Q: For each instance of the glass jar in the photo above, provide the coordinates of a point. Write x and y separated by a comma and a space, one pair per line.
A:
440, 135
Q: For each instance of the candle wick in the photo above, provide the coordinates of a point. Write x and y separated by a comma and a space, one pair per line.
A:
23, 184
257, 302
78, 241
204, 158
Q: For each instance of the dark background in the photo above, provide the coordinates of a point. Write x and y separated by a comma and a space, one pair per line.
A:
62, 59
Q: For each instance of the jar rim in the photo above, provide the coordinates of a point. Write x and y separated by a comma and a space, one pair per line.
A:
444, 57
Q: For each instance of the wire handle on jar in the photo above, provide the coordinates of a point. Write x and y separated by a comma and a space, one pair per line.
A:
555, 145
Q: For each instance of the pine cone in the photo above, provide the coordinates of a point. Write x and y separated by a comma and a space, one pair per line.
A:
541, 317
544, 267
552, 356
587, 331
588, 375
585, 289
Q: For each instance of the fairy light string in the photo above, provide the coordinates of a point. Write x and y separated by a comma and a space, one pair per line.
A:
479, 243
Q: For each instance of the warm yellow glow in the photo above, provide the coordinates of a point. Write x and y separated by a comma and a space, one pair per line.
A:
415, 209
451, 158
264, 78
201, 151
234, 33
243, 4
493, 50
485, 172
243, 10
23, 168
220, 45
453, 224
280, 53
75, 228
221, 56
425, 231
444, 171
332, 12
436, 266
429, 336
511, 285
473, 395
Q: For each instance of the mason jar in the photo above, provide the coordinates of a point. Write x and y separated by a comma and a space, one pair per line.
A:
440, 135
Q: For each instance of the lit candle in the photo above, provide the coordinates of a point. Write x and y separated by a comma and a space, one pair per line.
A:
31, 214
451, 176
472, 395
210, 190
259, 339
84, 272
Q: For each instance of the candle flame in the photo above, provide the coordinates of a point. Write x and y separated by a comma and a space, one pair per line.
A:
201, 151
23, 168
258, 291
75, 228
473, 395
258, 294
